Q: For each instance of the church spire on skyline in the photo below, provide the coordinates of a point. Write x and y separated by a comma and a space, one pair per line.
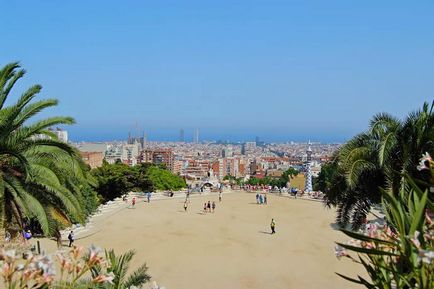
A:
308, 185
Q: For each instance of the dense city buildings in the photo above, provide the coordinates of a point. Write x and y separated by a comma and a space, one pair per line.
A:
158, 156
93, 159
201, 160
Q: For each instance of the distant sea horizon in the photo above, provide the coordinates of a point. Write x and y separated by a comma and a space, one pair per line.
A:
86, 137
274, 134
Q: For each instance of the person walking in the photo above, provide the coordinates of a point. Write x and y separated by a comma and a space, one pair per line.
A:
208, 206
273, 227
148, 196
220, 197
185, 205
213, 206
204, 207
257, 198
133, 202
58, 237
265, 199
71, 238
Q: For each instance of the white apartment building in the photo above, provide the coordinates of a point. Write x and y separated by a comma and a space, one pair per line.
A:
61, 134
130, 151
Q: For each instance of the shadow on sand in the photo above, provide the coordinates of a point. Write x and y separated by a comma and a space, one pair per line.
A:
263, 232
336, 227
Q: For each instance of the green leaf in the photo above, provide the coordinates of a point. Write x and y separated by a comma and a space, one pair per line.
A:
363, 237
349, 279
366, 250
418, 216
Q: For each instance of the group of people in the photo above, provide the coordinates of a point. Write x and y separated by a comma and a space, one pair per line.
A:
261, 199
134, 200
208, 207
27, 235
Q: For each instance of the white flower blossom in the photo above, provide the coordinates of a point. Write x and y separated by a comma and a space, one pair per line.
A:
426, 256
426, 159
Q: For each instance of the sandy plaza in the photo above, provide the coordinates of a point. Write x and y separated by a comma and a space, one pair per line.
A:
230, 248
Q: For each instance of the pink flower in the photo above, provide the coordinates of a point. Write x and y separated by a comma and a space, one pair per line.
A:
104, 278
415, 239
367, 245
94, 251
428, 218
93, 255
75, 252
340, 252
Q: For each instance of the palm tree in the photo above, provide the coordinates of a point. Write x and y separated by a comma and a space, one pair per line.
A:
118, 266
379, 158
34, 165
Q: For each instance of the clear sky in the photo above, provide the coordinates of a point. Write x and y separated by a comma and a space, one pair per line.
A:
281, 70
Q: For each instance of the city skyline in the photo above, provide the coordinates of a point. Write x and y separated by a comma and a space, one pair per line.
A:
282, 70
173, 135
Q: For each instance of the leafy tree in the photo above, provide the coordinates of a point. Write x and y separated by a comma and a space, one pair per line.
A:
278, 182
117, 179
114, 180
233, 180
162, 179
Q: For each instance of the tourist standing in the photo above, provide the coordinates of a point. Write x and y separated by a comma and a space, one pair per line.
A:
209, 206
257, 198
133, 202
185, 205
71, 238
213, 206
204, 207
265, 199
148, 196
273, 226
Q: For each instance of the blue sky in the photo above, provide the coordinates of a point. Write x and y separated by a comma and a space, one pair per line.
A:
281, 70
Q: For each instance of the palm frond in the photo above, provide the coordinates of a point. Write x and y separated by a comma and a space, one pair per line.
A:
138, 277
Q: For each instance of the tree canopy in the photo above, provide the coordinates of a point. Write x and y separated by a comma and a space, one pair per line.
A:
114, 180
42, 180
379, 158
278, 182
